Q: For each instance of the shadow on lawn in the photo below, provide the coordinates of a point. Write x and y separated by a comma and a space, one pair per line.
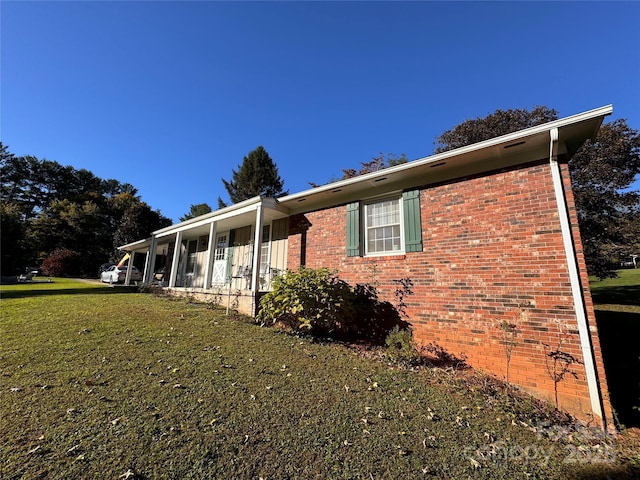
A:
617, 295
619, 334
68, 291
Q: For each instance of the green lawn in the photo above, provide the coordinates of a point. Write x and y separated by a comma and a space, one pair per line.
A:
617, 306
96, 382
620, 294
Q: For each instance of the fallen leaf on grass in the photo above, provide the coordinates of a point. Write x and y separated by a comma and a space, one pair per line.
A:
474, 463
73, 449
34, 450
128, 474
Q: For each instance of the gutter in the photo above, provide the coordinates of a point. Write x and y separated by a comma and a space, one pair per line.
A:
576, 286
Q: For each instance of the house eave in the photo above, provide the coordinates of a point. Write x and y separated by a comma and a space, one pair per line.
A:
509, 150
200, 225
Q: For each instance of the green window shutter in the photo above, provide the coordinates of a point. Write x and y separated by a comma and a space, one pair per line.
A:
412, 224
353, 229
232, 239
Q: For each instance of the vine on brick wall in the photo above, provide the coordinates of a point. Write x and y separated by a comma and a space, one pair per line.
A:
559, 365
509, 334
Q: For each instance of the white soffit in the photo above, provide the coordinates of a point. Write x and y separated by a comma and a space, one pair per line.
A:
509, 150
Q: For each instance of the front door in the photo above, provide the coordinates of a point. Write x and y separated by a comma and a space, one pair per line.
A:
220, 253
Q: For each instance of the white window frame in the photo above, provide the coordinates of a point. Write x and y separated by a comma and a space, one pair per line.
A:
366, 205
265, 249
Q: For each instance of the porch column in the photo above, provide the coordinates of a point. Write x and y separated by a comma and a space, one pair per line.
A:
177, 250
210, 255
150, 262
127, 277
257, 246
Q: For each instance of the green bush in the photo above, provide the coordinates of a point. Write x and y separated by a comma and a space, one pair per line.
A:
401, 348
312, 299
320, 303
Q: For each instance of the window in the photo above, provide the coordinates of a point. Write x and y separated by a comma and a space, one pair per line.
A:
383, 228
191, 257
265, 248
389, 226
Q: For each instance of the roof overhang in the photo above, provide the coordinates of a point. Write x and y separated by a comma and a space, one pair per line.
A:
233, 216
518, 148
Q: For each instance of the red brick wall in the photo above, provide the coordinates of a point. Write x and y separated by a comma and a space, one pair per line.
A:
492, 253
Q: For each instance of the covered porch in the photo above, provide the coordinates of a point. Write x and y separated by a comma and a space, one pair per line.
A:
237, 250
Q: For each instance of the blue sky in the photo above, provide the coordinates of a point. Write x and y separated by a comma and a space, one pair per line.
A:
169, 96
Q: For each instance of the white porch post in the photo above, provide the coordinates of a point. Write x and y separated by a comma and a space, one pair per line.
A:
176, 258
150, 262
257, 246
210, 255
127, 277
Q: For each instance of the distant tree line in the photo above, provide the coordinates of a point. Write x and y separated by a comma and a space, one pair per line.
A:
46, 207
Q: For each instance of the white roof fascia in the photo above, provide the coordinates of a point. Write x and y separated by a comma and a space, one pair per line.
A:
226, 212
511, 137
137, 245
231, 211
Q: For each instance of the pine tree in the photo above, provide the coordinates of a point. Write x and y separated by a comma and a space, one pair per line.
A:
257, 175
195, 211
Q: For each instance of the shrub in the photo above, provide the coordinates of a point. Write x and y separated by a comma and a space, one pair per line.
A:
401, 348
312, 299
317, 301
62, 262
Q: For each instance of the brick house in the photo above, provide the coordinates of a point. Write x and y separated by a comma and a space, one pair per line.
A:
488, 234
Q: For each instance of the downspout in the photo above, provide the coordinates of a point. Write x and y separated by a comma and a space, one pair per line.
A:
576, 287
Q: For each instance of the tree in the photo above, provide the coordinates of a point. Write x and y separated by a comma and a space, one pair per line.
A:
138, 221
257, 175
47, 206
375, 164
608, 212
601, 174
33, 184
12, 239
499, 123
81, 227
196, 211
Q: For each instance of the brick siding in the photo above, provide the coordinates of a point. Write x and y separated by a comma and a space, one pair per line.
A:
492, 252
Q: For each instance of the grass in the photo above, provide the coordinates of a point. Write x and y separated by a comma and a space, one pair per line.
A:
96, 382
617, 306
621, 294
